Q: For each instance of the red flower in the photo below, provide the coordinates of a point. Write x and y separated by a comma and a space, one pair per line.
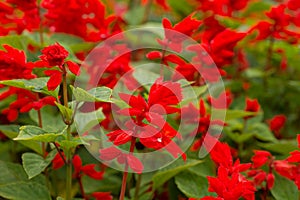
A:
270, 180
252, 105
88, 169
173, 39
222, 101
230, 187
102, 196
13, 64
277, 122
163, 97
55, 55
84, 18
58, 161
219, 42
25, 101
161, 138
260, 158
112, 153
18, 15
221, 7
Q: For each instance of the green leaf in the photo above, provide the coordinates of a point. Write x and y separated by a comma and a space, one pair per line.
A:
12, 131
51, 118
191, 185
110, 182
17, 41
170, 171
35, 164
85, 121
75, 141
262, 132
232, 114
204, 169
281, 146
192, 94
144, 77
98, 94
14, 184
35, 85
66, 112
135, 15
284, 189
35, 133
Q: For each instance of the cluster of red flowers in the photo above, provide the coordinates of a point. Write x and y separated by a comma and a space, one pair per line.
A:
147, 112
146, 120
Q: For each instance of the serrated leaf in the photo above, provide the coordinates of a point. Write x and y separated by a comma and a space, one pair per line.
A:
262, 132
191, 185
284, 189
51, 119
35, 164
232, 114
35, 133
98, 94
75, 141
35, 85
281, 146
170, 171
86, 121
66, 112
12, 131
14, 184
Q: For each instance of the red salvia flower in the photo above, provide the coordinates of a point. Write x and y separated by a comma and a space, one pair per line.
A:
55, 55
84, 18
277, 123
222, 7
252, 105
112, 153
102, 196
260, 158
163, 97
88, 169
222, 101
13, 64
173, 37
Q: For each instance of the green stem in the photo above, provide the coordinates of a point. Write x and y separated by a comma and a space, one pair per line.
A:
69, 168
68, 151
270, 54
137, 186
41, 126
125, 174
81, 188
41, 27
147, 11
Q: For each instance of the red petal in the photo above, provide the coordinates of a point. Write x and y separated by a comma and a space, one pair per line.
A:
154, 55
109, 153
73, 67
91, 172
102, 196
270, 180
77, 163
55, 79
58, 162
135, 164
